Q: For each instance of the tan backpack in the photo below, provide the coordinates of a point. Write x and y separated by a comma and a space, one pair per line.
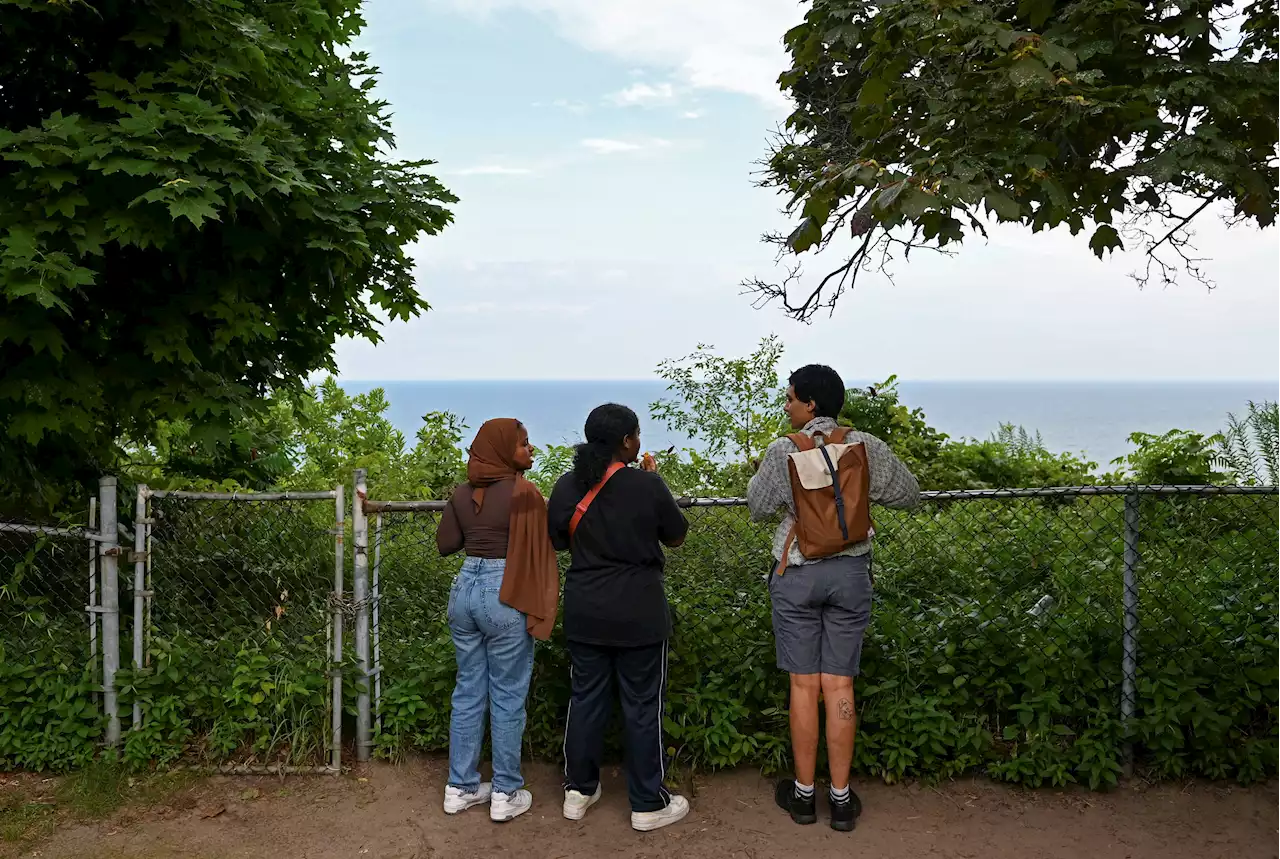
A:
831, 486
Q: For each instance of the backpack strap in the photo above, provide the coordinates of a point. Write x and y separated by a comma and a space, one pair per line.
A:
581, 509
802, 440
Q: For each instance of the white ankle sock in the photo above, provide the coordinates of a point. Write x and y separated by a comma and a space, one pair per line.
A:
840, 795
804, 791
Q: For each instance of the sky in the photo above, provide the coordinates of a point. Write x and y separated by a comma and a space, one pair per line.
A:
605, 152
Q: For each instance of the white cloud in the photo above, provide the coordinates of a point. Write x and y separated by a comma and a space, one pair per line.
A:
727, 45
564, 104
607, 146
642, 94
491, 170
691, 114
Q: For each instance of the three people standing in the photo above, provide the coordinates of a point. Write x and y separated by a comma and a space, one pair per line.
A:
615, 521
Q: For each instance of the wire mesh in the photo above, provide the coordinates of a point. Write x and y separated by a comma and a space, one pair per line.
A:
46, 581
238, 622
50, 667
1010, 607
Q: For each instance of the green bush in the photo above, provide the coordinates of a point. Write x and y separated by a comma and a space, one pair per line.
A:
995, 645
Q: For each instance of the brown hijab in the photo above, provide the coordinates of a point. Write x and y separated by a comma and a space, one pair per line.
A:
531, 581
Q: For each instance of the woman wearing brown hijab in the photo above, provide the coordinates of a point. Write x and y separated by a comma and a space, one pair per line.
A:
505, 596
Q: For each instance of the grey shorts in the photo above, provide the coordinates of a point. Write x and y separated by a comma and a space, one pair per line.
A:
820, 612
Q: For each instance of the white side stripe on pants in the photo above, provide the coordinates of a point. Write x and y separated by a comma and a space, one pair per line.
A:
564, 746
662, 750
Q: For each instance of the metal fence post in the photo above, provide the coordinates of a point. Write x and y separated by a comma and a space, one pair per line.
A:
95, 670
377, 619
339, 593
109, 551
1129, 654
360, 595
139, 587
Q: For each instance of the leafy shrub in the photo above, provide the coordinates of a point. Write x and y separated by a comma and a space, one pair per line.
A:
1178, 457
1250, 445
995, 645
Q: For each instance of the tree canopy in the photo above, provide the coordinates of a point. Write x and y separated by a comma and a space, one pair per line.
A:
915, 119
195, 204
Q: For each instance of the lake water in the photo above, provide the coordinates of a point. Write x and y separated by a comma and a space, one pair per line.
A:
1094, 418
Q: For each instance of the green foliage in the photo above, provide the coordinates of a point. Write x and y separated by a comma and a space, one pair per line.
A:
258, 452
49, 719
916, 121
1178, 457
242, 697
732, 405
338, 433
549, 464
995, 648
1012, 457
194, 207
309, 441
879, 411
1250, 445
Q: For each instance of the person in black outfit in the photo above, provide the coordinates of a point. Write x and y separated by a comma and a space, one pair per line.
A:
616, 617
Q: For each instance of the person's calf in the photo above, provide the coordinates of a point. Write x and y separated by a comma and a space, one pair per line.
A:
805, 689
841, 727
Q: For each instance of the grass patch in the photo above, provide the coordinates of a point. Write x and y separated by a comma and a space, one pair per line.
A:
93, 793
105, 785
22, 820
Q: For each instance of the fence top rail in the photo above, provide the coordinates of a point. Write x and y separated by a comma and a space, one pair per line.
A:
1044, 492
49, 530
325, 495
404, 506
371, 506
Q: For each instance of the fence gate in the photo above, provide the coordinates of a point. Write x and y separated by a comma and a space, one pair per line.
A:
238, 607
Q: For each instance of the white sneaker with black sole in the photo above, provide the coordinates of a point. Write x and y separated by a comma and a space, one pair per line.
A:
647, 821
509, 806
457, 800
576, 804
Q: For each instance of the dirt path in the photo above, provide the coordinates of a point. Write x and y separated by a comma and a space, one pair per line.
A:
393, 812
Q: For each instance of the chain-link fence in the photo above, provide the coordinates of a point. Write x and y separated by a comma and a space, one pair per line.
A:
1009, 625
59, 636
237, 619
1032, 634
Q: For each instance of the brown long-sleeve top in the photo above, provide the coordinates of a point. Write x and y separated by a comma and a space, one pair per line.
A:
484, 534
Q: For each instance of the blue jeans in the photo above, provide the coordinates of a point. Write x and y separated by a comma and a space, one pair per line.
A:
495, 660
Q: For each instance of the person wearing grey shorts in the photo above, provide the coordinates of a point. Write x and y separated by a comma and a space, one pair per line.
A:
821, 606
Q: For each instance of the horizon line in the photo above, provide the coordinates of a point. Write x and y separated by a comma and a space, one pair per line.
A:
981, 381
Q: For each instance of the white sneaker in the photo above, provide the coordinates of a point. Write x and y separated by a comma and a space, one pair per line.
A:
508, 806
456, 800
647, 821
576, 804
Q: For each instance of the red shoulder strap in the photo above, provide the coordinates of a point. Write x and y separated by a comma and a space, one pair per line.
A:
581, 509
838, 435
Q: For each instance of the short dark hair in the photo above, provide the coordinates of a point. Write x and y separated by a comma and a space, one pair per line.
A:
819, 384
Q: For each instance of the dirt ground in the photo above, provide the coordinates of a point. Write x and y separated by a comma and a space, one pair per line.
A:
394, 812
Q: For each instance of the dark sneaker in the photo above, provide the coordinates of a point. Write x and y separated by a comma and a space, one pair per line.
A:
802, 811
844, 814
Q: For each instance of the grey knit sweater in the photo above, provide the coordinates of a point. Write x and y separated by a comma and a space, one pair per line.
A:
892, 485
